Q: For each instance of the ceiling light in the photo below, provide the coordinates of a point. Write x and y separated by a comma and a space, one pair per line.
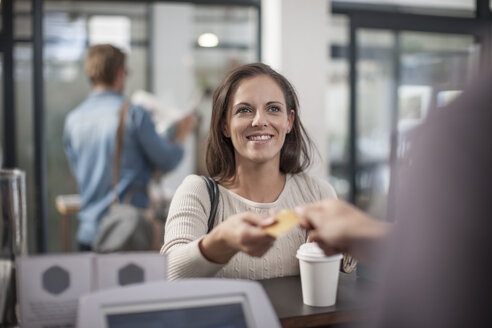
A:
208, 40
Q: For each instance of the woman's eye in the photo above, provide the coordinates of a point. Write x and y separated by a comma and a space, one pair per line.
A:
243, 110
274, 109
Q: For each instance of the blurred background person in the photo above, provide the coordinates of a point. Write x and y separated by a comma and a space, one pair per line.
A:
257, 151
89, 140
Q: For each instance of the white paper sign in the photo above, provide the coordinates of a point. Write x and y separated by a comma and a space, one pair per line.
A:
121, 269
49, 286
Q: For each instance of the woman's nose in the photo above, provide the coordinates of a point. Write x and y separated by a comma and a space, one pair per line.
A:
259, 119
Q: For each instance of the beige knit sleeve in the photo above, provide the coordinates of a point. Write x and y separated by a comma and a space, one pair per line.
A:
186, 224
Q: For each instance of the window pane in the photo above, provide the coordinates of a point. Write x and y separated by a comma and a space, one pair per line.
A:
434, 70
375, 85
66, 85
22, 19
110, 29
337, 112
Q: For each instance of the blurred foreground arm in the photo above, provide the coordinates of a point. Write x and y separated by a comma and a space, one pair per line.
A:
339, 227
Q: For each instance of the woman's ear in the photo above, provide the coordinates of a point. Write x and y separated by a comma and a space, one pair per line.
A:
291, 119
225, 130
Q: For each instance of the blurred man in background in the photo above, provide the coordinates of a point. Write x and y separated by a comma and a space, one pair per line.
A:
90, 137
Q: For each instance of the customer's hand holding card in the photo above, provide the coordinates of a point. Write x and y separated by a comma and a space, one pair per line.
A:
286, 220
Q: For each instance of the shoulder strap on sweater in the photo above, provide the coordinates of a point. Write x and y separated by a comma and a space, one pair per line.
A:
213, 192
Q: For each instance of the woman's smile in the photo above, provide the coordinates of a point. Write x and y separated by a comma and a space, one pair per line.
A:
260, 138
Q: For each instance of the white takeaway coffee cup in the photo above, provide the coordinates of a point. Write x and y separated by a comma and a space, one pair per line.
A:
319, 275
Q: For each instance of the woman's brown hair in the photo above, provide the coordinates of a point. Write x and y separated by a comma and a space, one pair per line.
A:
220, 160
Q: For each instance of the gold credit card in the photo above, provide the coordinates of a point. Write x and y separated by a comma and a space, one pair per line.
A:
286, 220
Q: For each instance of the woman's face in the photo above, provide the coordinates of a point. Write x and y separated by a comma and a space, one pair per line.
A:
257, 121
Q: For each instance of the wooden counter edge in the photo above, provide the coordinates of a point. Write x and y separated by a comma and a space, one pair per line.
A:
324, 319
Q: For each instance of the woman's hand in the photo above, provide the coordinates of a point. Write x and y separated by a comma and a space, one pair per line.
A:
239, 233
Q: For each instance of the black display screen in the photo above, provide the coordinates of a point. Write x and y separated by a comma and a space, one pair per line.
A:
216, 316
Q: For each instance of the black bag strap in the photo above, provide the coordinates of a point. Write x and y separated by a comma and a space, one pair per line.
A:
213, 192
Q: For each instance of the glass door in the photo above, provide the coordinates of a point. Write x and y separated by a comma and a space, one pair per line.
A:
401, 77
374, 111
435, 68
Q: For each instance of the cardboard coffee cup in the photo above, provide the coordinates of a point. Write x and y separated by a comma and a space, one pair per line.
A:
319, 275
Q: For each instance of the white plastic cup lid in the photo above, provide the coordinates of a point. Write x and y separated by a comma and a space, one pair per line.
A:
313, 253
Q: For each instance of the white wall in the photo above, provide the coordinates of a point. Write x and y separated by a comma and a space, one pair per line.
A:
295, 42
173, 79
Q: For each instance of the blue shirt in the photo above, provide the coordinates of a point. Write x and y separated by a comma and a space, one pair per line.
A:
89, 139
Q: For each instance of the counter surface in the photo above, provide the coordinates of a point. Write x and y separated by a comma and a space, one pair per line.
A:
286, 297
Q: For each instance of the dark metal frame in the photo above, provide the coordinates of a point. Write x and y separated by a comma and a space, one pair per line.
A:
6, 47
395, 19
150, 47
39, 127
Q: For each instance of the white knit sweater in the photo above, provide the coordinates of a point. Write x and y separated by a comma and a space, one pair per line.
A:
187, 224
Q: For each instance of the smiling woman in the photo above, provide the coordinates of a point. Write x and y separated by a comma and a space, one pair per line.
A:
295, 153
257, 151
